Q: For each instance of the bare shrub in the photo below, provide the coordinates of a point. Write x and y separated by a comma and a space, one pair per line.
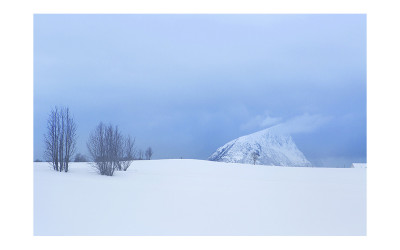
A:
149, 153
80, 158
110, 150
255, 156
129, 153
140, 155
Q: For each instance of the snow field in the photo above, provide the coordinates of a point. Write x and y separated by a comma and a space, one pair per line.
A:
195, 197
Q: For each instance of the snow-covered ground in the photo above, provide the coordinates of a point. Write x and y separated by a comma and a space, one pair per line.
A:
194, 197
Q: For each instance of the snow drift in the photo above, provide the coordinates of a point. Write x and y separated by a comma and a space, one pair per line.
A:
273, 148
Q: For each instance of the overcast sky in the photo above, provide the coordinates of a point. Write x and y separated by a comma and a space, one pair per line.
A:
187, 84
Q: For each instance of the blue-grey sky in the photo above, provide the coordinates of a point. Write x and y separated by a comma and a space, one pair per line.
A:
187, 84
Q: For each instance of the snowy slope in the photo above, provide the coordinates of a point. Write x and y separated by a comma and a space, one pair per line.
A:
193, 197
273, 148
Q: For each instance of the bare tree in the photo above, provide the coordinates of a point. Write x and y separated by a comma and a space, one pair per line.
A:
69, 139
60, 138
51, 139
255, 156
149, 153
61, 133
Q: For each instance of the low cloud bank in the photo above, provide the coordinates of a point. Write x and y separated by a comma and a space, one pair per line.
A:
305, 123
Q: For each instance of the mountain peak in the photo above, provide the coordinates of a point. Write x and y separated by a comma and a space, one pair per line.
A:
271, 146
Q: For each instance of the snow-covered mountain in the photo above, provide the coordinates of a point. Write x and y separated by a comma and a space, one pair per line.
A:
272, 148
